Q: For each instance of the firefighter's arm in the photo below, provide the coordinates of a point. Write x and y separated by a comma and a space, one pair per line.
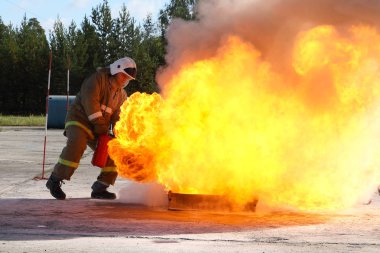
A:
116, 114
100, 126
115, 117
91, 94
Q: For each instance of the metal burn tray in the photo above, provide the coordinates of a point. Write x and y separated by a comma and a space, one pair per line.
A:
182, 201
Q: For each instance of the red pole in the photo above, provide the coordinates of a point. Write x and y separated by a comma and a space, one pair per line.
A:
46, 120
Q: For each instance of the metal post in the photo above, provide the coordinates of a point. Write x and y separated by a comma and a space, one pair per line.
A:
46, 120
68, 84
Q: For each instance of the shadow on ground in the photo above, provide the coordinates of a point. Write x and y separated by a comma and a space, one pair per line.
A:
36, 219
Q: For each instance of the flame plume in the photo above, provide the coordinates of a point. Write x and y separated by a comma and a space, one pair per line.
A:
233, 125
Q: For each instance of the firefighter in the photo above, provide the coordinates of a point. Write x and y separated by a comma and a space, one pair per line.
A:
95, 108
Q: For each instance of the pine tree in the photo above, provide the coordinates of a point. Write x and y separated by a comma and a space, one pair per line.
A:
102, 19
98, 41
58, 47
33, 56
184, 9
150, 55
127, 34
91, 42
8, 67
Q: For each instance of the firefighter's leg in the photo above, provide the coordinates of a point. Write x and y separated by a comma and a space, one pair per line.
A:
106, 178
68, 160
108, 174
71, 154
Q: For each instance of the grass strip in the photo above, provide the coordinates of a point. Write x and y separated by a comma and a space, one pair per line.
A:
31, 120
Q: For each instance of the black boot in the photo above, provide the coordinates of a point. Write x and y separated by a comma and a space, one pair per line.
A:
99, 191
54, 185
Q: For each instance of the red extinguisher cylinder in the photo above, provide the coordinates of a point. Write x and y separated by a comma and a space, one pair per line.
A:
101, 152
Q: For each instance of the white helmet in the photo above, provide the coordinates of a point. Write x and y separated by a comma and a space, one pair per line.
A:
125, 65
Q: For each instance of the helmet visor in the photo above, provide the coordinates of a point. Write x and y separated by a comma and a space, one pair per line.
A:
131, 72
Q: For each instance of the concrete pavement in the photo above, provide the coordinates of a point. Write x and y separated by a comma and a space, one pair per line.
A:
32, 221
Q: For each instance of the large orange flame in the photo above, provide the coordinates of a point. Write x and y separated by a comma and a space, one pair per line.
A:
231, 125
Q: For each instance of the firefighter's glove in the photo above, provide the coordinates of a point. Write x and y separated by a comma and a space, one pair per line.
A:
100, 126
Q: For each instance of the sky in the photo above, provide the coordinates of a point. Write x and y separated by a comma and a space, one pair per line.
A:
47, 11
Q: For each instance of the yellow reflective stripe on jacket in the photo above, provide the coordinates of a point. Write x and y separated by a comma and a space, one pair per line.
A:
95, 115
106, 109
68, 163
109, 169
76, 123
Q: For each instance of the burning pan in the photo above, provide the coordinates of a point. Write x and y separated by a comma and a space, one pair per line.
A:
181, 201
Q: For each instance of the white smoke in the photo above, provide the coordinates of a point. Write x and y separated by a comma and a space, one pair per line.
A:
152, 194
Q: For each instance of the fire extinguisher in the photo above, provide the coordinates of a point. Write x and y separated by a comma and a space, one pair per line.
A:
101, 151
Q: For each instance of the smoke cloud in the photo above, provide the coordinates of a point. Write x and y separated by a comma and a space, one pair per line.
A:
270, 25
152, 195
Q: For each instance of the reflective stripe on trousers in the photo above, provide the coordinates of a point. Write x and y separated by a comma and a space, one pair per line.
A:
68, 162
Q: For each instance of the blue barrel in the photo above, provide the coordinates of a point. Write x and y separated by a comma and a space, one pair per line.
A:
57, 111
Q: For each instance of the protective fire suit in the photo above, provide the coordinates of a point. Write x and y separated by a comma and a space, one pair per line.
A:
96, 106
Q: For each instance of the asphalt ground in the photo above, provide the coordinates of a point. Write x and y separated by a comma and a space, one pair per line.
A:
32, 221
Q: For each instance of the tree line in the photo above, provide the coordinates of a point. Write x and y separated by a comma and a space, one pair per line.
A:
99, 40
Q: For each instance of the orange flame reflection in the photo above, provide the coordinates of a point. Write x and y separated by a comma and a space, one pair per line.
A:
231, 125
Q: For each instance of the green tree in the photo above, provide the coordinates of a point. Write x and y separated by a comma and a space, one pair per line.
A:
8, 68
33, 56
102, 19
59, 47
150, 55
127, 34
76, 57
184, 9
70, 49
97, 42
91, 44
